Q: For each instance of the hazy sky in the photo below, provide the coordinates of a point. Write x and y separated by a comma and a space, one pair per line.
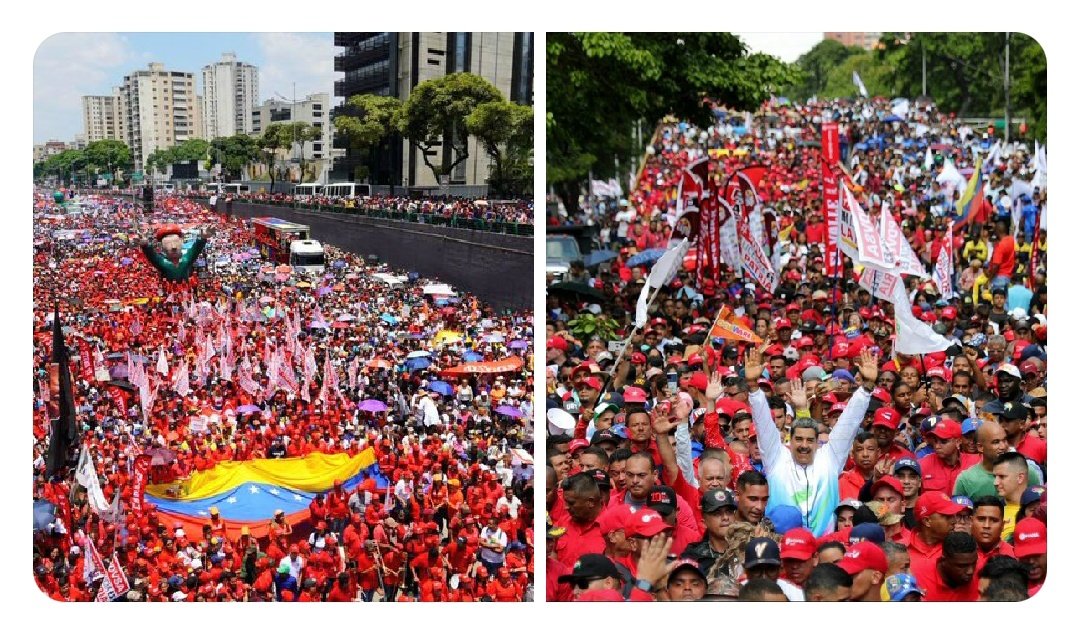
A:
787, 46
68, 66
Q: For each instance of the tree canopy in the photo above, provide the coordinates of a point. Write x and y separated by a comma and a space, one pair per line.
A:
505, 130
602, 85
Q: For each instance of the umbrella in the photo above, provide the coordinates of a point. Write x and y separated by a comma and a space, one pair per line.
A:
509, 411
519, 344
380, 363
646, 257
303, 285
576, 288
442, 388
494, 338
599, 257
346, 317
248, 408
44, 514
266, 300
373, 406
318, 324
418, 354
126, 261
161, 456
416, 364
339, 325
472, 357
324, 291
389, 318
338, 264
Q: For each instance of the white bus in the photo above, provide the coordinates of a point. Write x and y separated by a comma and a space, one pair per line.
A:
228, 188
304, 191
307, 256
346, 190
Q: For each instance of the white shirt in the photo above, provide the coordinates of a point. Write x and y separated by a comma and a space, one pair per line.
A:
511, 505
493, 535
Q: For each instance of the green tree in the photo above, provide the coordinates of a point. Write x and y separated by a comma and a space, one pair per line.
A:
192, 150
368, 120
66, 164
109, 156
876, 73
436, 110
234, 153
160, 160
275, 138
816, 65
505, 130
302, 133
603, 87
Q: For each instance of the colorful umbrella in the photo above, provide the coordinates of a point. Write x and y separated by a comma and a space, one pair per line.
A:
509, 411
372, 406
380, 363
442, 388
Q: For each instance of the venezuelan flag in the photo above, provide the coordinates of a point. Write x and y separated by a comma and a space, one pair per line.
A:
247, 493
972, 198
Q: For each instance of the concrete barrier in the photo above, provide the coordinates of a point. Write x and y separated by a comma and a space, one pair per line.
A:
496, 267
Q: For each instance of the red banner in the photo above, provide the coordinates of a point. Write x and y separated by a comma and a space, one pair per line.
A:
142, 469
830, 143
754, 261
86, 361
498, 366
120, 400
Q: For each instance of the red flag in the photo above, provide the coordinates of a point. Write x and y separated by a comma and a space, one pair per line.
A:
142, 470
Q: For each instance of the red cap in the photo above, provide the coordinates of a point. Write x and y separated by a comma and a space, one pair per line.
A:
646, 523
888, 417
947, 429
557, 342
614, 518
637, 358
936, 502
1029, 537
948, 313
792, 307
798, 544
694, 360
783, 323
840, 350
881, 394
887, 481
864, 556
1029, 367
697, 381
593, 383
168, 230
838, 407
634, 395
939, 372
578, 444
804, 342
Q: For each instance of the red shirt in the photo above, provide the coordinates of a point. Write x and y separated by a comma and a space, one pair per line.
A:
1033, 448
1004, 549
851, 483
937, 476
929, 579
1004, 256
577, 541
561, 592
923, 556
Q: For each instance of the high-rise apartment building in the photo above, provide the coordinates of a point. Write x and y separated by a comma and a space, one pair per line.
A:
101, 117
392, 64
158, 109
230, 94
314, 109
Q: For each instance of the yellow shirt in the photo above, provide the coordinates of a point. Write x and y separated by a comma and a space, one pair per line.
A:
981, 282
977, 249
1010, 521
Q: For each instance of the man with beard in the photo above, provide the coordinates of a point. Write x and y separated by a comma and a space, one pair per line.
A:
751, 497
800, 475
951, 577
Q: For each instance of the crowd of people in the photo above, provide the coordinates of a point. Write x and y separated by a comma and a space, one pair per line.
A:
450, 518
819, 464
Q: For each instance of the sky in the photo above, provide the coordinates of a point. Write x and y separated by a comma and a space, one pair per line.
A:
68, 66
787, 46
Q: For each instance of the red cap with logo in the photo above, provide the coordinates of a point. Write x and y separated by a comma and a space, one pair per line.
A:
888, 417
646, 523
864, 556
634, 395
1029, 537
936, 502
557, 342
798, 544
614, 519
947, 429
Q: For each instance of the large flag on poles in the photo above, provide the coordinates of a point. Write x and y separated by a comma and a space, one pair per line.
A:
972, 199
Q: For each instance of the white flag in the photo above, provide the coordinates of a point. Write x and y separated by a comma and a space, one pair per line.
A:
182, 381
162, 362
86, 476
859, 84
914, 337
662, 272
943, 267
897, 246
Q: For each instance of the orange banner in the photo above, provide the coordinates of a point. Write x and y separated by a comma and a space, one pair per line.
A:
498, 366
726, 327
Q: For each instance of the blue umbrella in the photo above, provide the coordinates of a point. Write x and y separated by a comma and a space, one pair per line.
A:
324, 290
509, 411
416, 364
126, 261
892, 119
648, 256
519, 344
338, 264
472, 357
248, 408
374, 406
389, 318
442, 388
599, 257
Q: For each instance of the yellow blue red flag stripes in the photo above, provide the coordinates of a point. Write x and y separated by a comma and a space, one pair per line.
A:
247, 493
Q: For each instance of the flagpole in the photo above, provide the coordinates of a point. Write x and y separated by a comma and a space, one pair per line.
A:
626, 344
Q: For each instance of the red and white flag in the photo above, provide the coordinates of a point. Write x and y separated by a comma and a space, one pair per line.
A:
181, 380
943, 268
